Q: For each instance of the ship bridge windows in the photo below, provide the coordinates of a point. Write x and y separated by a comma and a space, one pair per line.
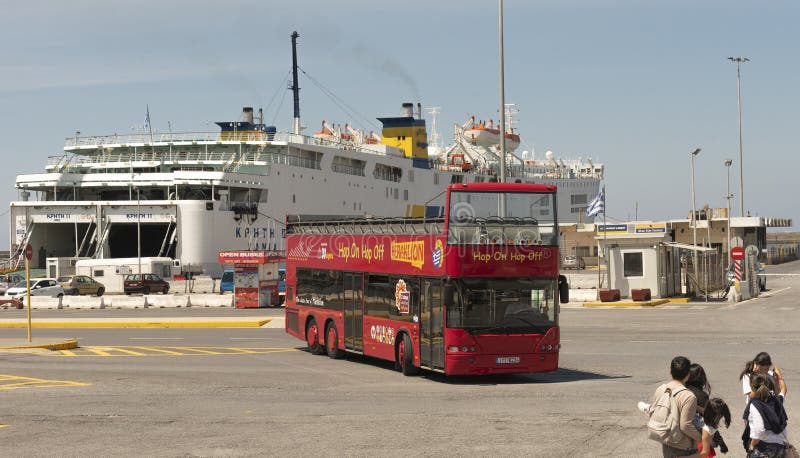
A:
348, 165
387, 172
248, 195
296, 157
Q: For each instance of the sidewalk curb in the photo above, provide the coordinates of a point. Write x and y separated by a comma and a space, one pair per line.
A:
66, 345
627, 303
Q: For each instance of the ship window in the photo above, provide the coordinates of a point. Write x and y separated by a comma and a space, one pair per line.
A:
405, 194
456, 178
294, 199
348, 165
396, 194
578, 199
436, 178
387, 173
98, 273
411, 175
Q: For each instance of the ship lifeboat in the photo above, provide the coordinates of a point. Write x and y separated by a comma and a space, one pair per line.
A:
512, 141
487, 135
372, 138
483, 134
325, 132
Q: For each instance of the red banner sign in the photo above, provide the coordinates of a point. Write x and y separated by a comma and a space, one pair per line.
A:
419, 255
248, 257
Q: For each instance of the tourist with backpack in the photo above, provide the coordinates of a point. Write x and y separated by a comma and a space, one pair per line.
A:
766, 418
672, 411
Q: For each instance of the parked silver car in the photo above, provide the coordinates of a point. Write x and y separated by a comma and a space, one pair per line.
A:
39, 287
573, 262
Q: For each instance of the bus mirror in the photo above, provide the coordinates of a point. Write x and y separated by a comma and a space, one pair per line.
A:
563, 289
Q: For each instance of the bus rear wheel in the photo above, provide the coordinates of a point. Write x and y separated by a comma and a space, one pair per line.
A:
405, 356
332, 342
312, 338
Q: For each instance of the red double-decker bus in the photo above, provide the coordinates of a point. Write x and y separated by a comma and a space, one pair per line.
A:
476, 291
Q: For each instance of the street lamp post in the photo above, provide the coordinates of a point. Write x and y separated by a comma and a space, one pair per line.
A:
739, 61
728, 196
694, 215
138, 232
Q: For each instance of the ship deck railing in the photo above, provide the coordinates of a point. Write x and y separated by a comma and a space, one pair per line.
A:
347, 225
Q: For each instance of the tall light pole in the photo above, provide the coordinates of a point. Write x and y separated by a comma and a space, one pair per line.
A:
138, 232
694, 215
728, 196
739, 61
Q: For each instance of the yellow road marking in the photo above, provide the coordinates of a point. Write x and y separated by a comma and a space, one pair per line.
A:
194, 349
160, 350
99, 351
106, 351
128, 352
30, 382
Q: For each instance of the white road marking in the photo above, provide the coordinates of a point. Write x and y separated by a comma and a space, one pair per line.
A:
248, 338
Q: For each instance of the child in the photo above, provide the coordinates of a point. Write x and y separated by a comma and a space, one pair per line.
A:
715, 411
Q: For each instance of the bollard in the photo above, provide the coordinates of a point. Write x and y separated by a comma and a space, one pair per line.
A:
60, 304
188, 301
146, 305
102, 303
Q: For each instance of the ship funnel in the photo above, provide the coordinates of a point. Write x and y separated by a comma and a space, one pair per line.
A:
247, 114
407, 110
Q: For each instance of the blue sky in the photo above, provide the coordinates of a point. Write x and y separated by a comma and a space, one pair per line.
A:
635, 84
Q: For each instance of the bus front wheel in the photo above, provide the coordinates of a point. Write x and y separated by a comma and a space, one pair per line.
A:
332, 342
405, 356
312, 338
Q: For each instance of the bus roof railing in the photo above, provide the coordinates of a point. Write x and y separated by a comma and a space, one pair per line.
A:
350, 225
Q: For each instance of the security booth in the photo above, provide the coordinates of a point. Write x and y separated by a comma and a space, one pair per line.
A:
643, 257
255, 277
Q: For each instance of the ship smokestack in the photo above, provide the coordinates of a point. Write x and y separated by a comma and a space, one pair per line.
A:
247, 114
407, 110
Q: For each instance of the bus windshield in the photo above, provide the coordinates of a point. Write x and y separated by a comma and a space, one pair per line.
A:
475, 218
503, 305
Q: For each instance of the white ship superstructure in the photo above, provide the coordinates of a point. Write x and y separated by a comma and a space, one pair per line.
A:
190, 195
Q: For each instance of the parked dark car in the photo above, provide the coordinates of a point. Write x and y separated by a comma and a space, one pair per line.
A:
145, 284
573, 262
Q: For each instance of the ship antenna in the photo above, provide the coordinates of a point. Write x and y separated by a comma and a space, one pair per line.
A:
295, 88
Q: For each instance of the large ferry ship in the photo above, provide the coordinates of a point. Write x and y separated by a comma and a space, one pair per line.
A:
190, 195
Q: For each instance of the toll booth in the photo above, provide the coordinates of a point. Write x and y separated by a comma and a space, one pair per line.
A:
255, 277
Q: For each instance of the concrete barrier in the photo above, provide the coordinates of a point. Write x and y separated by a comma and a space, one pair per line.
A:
163, 301
124, 302
211, 300
82, 302
43, 302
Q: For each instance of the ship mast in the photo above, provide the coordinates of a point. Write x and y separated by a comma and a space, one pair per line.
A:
295, 88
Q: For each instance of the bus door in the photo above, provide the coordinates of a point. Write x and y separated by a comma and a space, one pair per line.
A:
431, 344
353, 328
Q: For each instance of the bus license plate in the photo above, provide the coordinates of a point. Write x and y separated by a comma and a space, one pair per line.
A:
507, 360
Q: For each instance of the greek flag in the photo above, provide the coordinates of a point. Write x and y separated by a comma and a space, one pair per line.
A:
147, 118
598, 205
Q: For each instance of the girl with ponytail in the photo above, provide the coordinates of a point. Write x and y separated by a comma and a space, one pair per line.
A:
765, 416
